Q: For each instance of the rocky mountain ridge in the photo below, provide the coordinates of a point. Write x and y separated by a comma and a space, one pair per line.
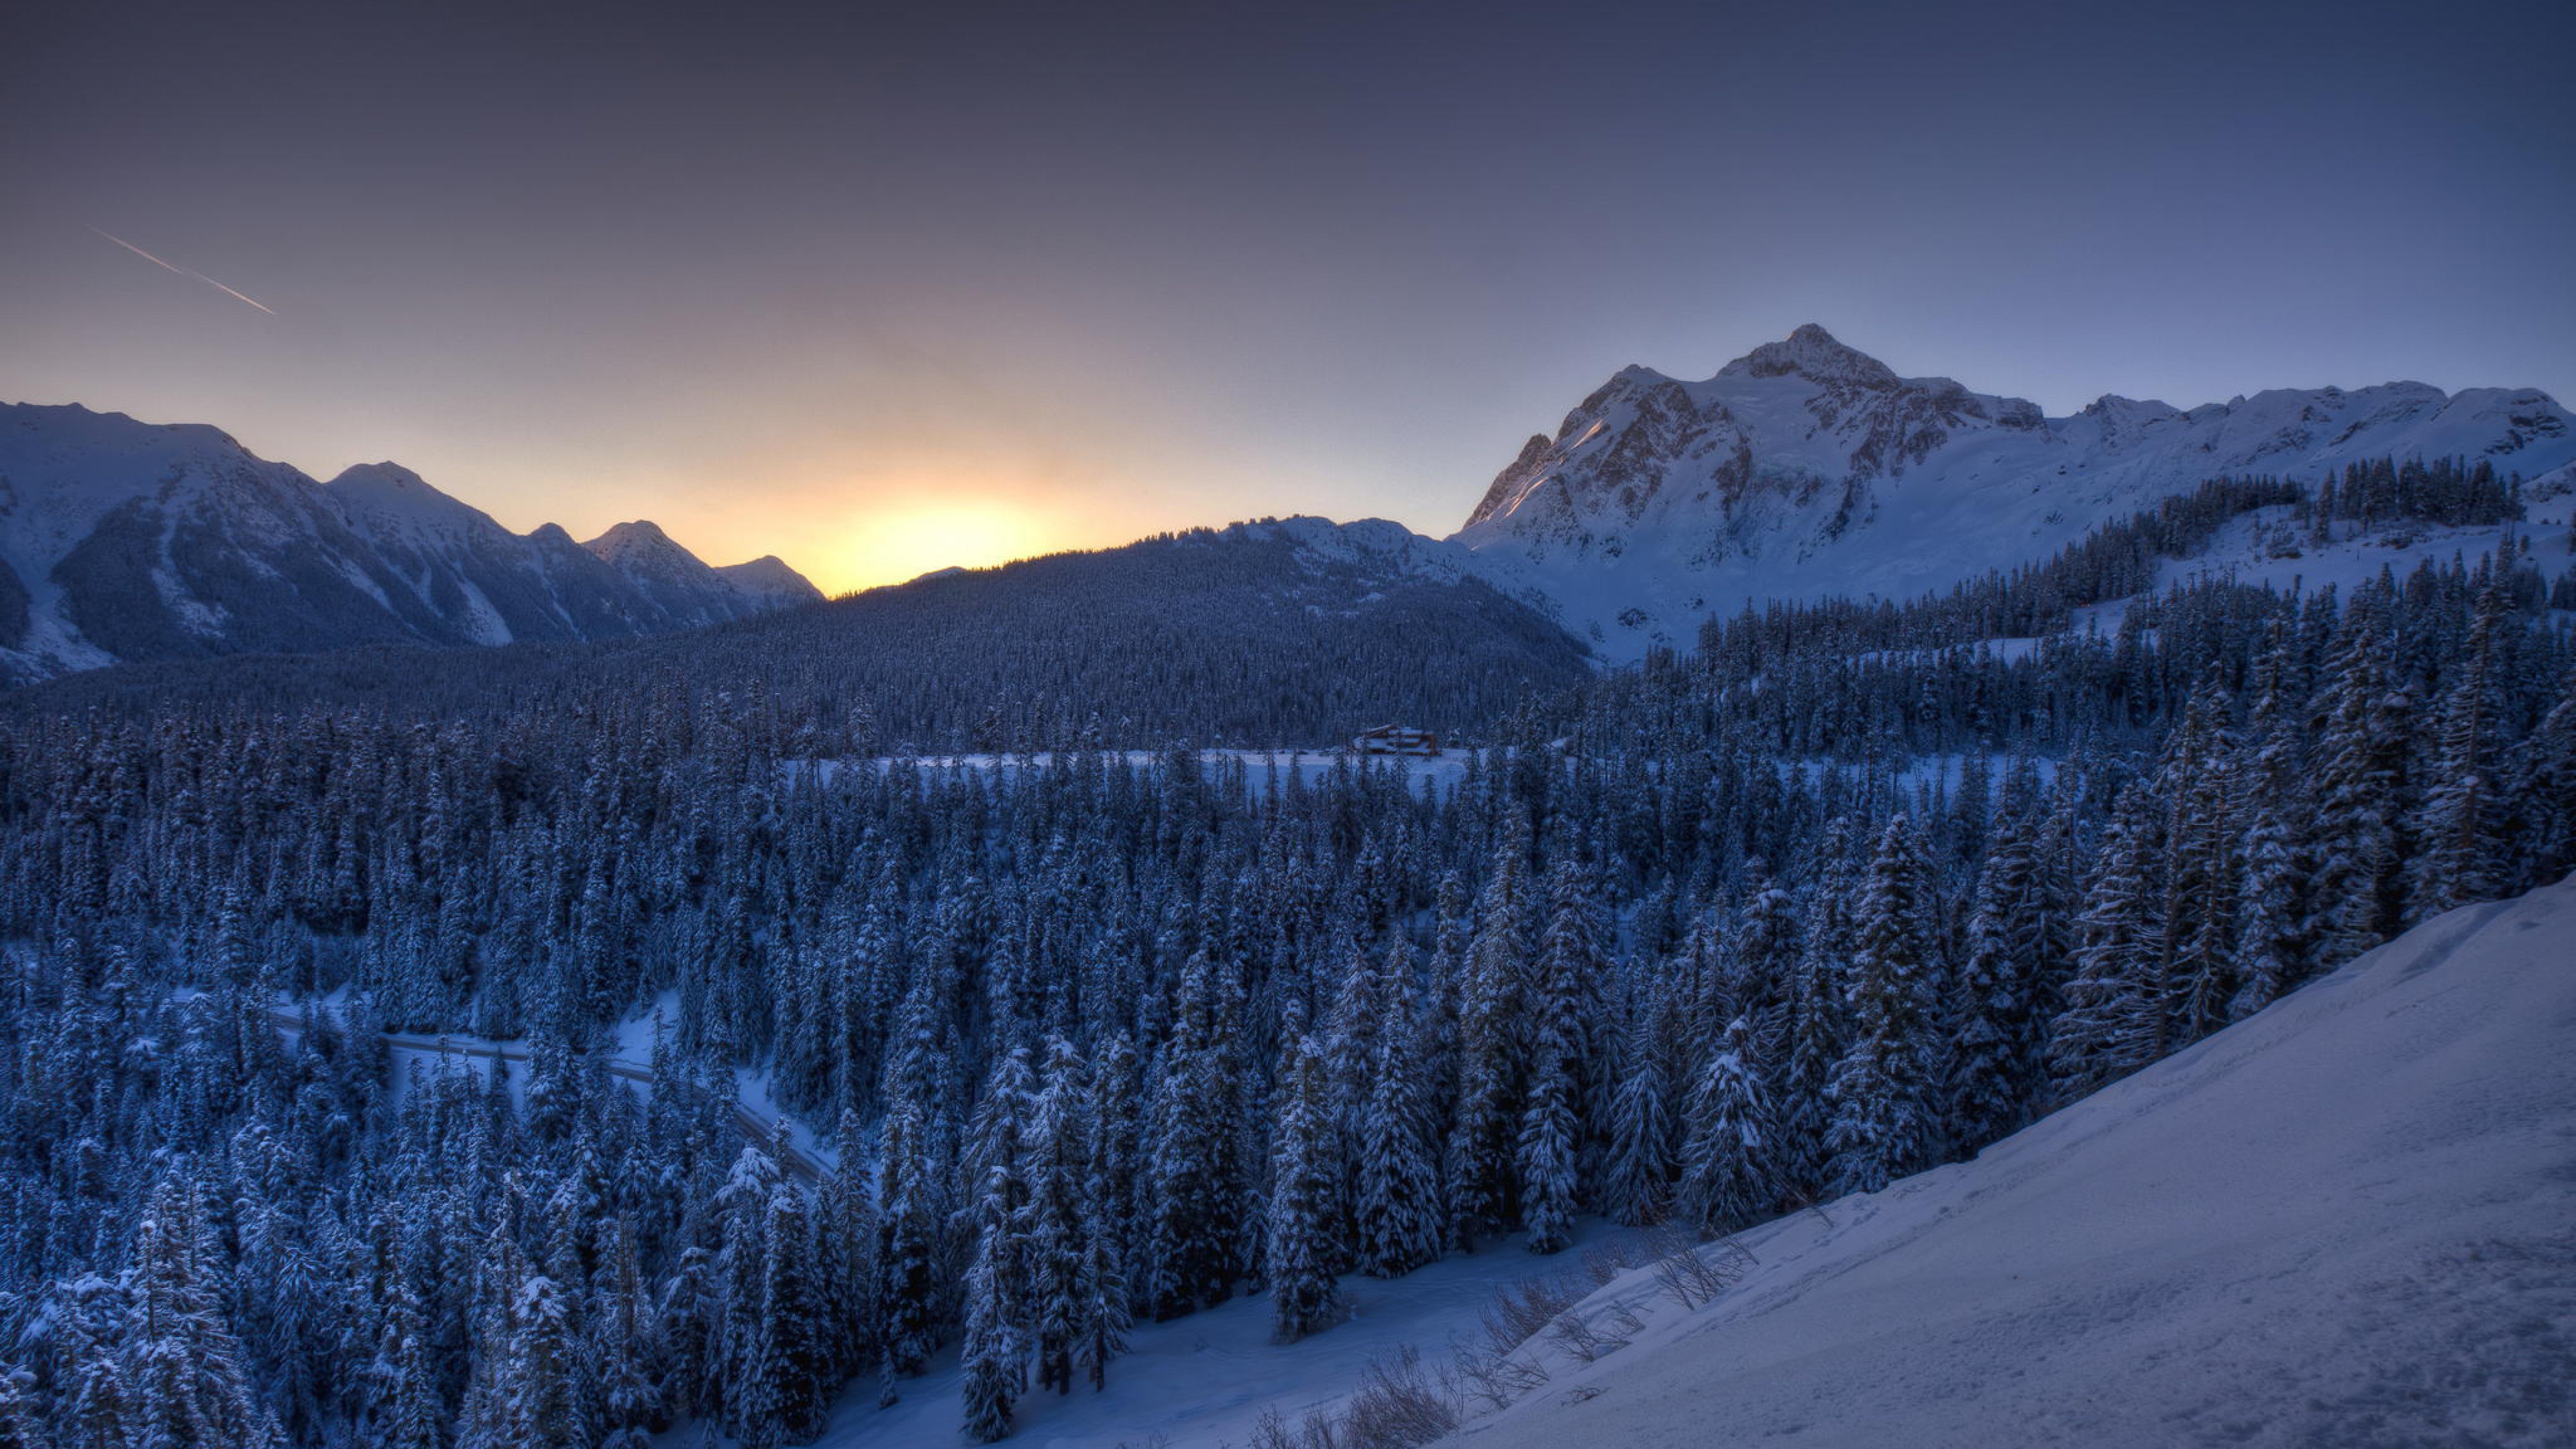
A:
1807, 468
126, 541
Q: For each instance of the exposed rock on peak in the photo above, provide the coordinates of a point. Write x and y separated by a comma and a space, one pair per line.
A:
122, 540
1807, 467
1813, 352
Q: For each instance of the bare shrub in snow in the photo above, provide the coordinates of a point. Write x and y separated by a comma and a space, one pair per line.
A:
1398, 1405
1693, 1273
1523, 1310
1490, 1377
1605, 1261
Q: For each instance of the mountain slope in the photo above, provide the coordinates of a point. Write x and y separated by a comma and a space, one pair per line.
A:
1806, 469
1294, 632
122, 541
2349, 1220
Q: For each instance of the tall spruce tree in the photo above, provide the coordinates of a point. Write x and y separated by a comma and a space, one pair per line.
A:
1884, 1124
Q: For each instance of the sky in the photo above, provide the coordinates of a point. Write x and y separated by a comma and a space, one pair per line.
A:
881, 289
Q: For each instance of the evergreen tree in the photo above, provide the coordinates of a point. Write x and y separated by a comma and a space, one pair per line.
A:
1728, 1180
2118, 1014
1989, 1085
1883, 1126
1492, 1051
993, 1367
1638, 1177
1397, 1211
1303, 1298
2462, 827
1058, 1215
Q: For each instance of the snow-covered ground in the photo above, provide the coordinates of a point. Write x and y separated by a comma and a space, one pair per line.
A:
2240, 552
2348, 1221
1207, 1378
756, 1108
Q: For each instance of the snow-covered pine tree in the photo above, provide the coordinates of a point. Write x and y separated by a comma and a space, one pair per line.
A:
2544, 774
1057, 1223
1396, 1183
1301, 1250
1636, 1178
1564, 1022
620, 1348
796, 1363
1989, 1084
2271, 945
1109, 1185
2363, 743
750, 1401
1493, 1054
178, 1365
907, 1287
1728, 1175
544, 1409
2460, 829
1195, 1164
2118, 1014
1884, 1124
993, 1361
2202, 874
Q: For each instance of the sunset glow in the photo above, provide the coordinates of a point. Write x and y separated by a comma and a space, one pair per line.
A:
904, 543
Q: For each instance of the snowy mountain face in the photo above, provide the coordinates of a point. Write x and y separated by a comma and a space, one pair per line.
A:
1807, 469
123, 541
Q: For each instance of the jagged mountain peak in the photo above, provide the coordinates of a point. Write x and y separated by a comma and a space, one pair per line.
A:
1807, 467
639, 537
124, 540
1815, 353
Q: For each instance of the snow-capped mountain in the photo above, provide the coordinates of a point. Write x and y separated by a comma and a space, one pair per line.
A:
1806, 468
672, 577
121, 540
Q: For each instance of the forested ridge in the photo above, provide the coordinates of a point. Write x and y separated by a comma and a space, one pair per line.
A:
1847, 891
1252, 635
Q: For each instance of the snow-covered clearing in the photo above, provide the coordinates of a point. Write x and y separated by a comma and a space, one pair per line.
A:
756, 1109
1205, 1379
2357, 554
2348, 1221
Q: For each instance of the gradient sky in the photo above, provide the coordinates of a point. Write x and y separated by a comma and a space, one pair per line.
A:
881, 289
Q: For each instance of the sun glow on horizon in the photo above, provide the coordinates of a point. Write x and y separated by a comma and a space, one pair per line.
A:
905, 543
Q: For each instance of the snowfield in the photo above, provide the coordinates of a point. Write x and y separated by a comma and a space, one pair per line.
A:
1206, 1379
2350, 1220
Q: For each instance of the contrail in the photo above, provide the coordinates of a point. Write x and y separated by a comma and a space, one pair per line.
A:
184, 271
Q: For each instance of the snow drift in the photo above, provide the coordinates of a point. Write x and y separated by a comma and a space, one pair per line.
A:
2350, 1220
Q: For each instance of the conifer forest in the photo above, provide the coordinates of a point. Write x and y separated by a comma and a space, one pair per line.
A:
543, 1068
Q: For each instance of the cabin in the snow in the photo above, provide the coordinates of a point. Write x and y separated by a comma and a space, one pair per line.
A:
1395, 740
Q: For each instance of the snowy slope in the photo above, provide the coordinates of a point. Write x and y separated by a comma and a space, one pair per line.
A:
1206, 1379
2350, 1220
1806, 469
2247, 550
120, 540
